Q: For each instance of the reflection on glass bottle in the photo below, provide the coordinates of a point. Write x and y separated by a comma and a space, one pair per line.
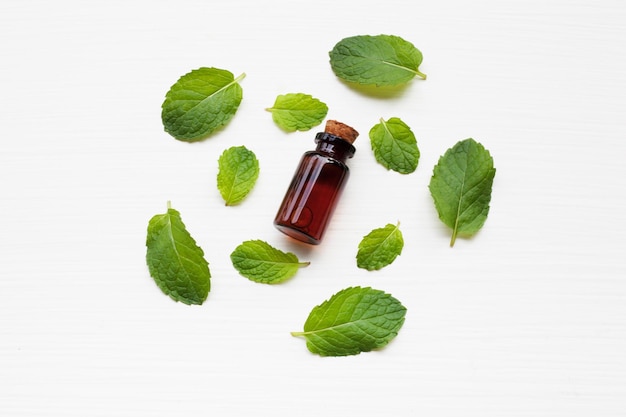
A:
317, 185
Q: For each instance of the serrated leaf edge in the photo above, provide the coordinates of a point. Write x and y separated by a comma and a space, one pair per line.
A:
349, 323
379, 245
385, 123
228, 199
267, 248
169, 226
461, 193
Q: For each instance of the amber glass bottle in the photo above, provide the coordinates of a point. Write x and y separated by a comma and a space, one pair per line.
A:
317, 185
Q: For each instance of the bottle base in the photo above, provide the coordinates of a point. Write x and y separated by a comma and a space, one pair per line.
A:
297, 234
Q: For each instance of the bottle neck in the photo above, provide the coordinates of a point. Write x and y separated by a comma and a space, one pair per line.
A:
334, 146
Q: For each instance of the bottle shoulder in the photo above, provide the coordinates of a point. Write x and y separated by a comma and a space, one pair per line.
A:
324, 158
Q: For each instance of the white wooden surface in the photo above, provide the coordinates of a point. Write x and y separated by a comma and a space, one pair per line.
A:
526, 319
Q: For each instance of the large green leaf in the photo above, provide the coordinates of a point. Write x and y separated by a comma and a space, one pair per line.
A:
352, 321
260, 262
175, 261
380, 247
382, 60
237, 175
200, 102
297, 111
395, 146
461, 187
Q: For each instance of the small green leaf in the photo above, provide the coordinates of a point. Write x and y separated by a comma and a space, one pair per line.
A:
238, 172
461, 187
382, 60
297, 111
380, 247
395, 146
260, 262
352, 321
200, 102
175, 261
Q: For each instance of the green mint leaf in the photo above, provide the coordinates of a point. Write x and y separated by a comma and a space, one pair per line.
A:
297, 111
352, 321
380, 247
382, 60
238, 172
175, 261
200, 102
395, 146
461, 187
260, 262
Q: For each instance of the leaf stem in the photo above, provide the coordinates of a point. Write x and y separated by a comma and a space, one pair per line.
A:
420, 74
243, 75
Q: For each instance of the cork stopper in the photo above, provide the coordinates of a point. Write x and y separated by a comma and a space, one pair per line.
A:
342, 130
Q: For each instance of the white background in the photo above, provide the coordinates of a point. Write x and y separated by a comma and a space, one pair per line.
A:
526, 319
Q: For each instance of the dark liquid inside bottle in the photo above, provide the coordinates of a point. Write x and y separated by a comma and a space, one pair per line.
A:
315, 189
